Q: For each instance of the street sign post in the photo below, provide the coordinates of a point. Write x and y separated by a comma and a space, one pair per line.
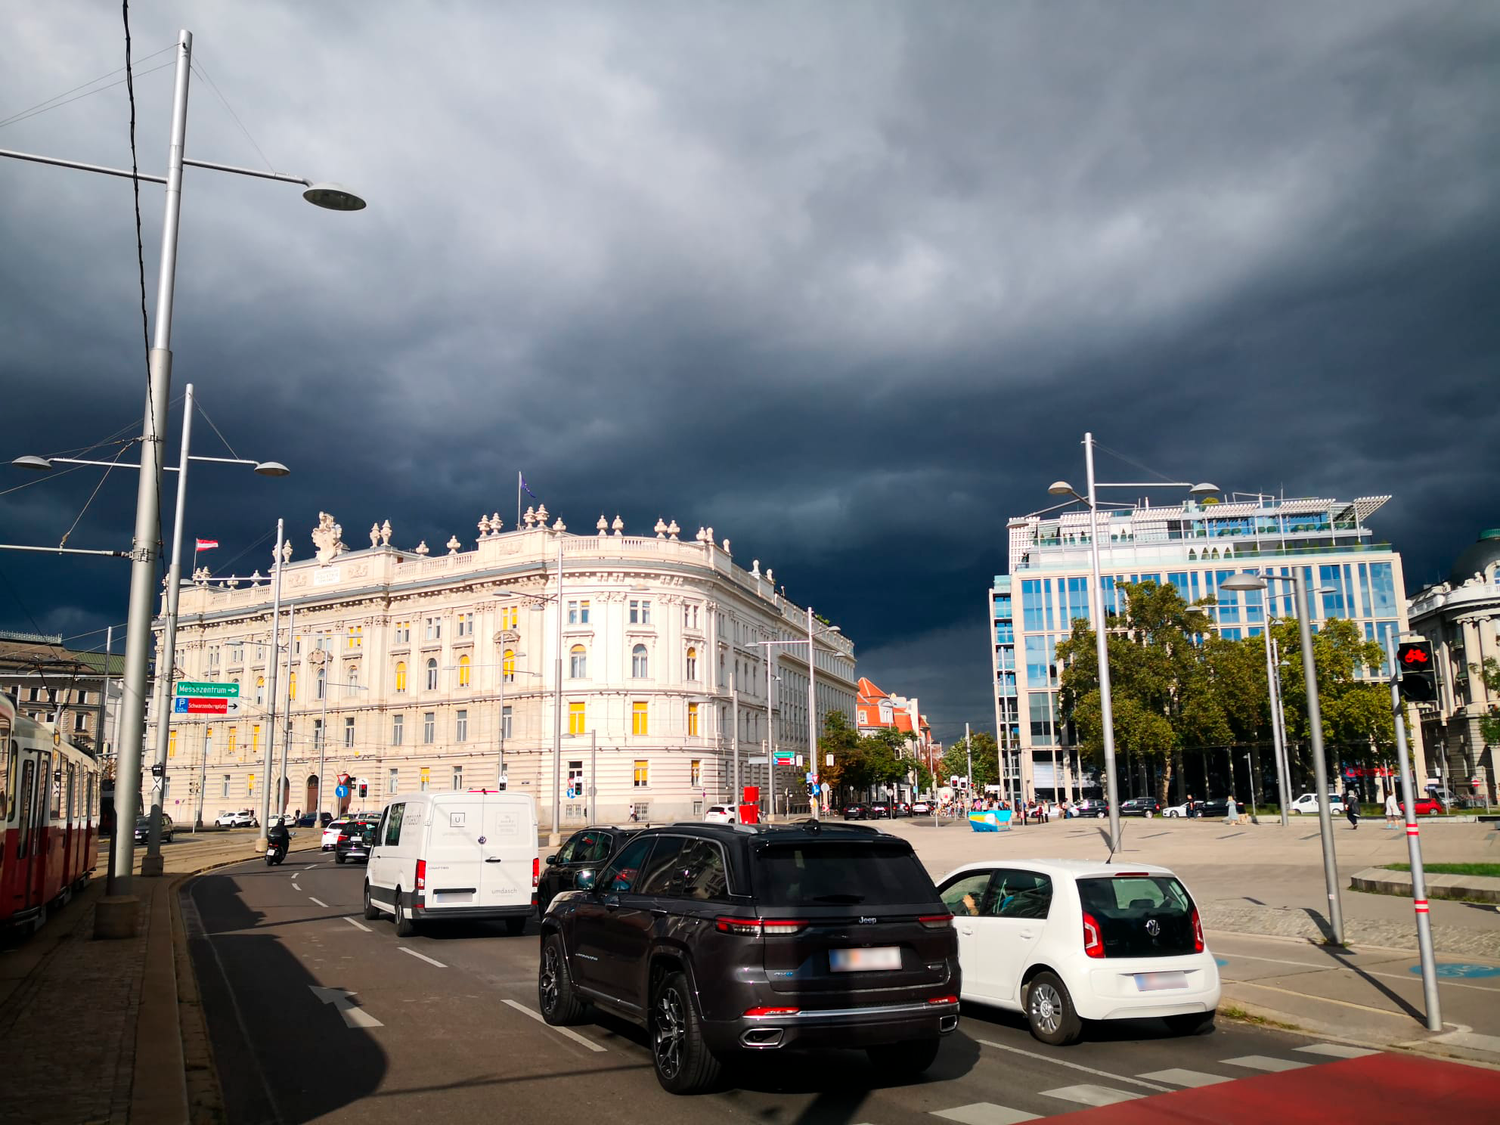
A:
208, 690
191, 705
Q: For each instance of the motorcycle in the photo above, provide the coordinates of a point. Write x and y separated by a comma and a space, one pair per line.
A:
275, 853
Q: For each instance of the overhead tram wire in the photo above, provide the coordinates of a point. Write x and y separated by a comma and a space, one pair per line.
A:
64, 540
197, 65
58, 102
204, 414
1132, 462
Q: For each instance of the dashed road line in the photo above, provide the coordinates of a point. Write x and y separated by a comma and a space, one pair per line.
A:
985, 1113
1177, 1076
1087, 1094
359, 925
319, 901
1158, 1087
418, 956
567, 1032
1338, 1050
1265, 1062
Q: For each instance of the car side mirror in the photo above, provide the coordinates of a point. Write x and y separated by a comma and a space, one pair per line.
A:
551, 859
584, 881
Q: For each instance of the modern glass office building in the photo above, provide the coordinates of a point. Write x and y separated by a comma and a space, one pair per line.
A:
1194, 546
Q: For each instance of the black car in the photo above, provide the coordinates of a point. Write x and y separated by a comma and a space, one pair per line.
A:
1140, 806
143, 829
356, 840
308, 820
724, 940
856, 812
584, 851
879, 810
1218, 807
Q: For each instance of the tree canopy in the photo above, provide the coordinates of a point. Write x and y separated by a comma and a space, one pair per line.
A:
986, 758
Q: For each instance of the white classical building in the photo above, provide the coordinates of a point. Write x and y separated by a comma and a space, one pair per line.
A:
410, 672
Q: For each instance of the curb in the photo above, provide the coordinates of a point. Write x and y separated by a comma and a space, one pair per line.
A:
1463, 888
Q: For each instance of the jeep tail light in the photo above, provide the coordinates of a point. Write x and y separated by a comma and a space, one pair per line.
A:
772, 927
943, 1000
1197, 932
744, 927
421, 874
937, 921
772, 1011
536, 871
1093, 943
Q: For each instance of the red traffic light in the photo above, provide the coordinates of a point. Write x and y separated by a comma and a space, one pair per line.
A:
1415, 657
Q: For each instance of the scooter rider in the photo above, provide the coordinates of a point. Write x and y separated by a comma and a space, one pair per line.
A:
279, 838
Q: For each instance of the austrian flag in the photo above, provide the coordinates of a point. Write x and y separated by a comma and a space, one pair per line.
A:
206, 544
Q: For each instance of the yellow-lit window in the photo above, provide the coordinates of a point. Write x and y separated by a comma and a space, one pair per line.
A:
172, 745
692, 664
508, 664
400, 675
463, 671
250, 785
693, 721
695, 772
255, 739
509, 616
642, 773
576, 718
638, 717
292, 687
426, 777
356, 636
233, 733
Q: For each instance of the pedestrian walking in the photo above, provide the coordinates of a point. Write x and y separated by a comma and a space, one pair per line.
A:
1351, 807
1392, 810
1231, 810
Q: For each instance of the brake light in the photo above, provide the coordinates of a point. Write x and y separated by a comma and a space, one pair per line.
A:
756, 927
421, 874
1093, 944
343, 836
772, 1011
1197, 932
773, 926
943, 1000
937, 922
536, 871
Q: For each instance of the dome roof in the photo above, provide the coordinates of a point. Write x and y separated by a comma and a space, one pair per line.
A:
1477, 557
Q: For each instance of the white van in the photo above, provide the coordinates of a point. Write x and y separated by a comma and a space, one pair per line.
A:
1308, 803
464, 854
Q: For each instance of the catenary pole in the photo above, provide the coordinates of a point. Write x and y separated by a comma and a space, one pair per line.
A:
1101, 639
1320, 763
286, 740
813, 764
272, 663
1282, 785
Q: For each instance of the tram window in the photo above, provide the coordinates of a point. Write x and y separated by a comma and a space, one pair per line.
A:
72, 792
54, 771
7, 763
28, 789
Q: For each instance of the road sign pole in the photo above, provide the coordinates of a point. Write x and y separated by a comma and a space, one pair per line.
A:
1414, 851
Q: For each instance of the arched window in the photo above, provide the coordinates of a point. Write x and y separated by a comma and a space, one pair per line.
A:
463, 671
400, 675
692, 664
292, 687
508, 665
579, 664
322, 684
638, 664
431, 674
260, 691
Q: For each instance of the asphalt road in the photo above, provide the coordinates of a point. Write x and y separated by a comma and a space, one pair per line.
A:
444, 1026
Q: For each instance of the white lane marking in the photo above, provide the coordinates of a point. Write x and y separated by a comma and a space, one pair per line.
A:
343, 1001
985, 1113
1463, 1037
295, 887
319, 901
1076, 1066
359, 925
1335, 966
564, 1031
1180, 1077
418, 956
1087, 1094
1338, 1050
1265, 1062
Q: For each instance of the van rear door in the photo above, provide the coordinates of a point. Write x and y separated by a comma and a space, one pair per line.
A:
509, 850
453, 853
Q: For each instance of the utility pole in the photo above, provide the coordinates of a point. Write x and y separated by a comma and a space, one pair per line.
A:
286, 742
770, 737
272, 662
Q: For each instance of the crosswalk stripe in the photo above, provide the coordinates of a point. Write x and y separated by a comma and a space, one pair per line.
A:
1088, 1094
984, 1113
1265, 1062
1180, 1077
1338, 1050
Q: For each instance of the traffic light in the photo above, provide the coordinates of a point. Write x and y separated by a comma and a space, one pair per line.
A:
364, 789
1418, 674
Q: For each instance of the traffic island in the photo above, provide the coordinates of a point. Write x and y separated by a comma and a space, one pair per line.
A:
1463, 888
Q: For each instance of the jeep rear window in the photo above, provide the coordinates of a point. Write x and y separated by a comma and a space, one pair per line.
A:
1128, 909
840, 873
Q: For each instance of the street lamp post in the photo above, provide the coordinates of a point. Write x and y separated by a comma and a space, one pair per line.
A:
117, 918
1315, 733
812, 747
272, 660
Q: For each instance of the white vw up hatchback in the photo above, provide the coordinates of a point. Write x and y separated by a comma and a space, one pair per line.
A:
463, 854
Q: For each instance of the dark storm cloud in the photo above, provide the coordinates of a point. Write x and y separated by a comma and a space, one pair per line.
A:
847, 283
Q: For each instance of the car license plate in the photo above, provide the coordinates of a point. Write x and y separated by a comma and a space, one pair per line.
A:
863, 960
1155, 982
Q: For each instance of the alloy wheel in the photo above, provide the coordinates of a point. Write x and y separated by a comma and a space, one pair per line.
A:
670, 1033
549, 978
1046, 1007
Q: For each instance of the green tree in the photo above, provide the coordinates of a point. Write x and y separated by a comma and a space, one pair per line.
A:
843, 742
955, 762
1357, 722
1489, 725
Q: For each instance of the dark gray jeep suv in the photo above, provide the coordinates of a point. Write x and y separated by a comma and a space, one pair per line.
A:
726, 939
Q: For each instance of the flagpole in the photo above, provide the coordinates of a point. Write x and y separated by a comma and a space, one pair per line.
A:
517, 524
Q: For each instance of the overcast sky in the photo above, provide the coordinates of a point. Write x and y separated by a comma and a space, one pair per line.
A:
847, 281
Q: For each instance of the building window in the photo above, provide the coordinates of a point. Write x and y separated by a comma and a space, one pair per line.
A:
640, 611
693, 721
355, 637
692, 664
317, 734
292, 687
690, 616
392, 785
576, 718
505, 722
642, 773
465, 625
172, 745
575, 777
461, 726
432, 674
638, 663
322, 684
255, 741
233, 738
349, 732
695, 773
509, 615
578, 612
463, 671
403, 632
400, 676
434, 629
638, 717
508, 665
224, 789
458, 777
429, 727
578, 666
80, 721
250, 785
260, 691
351, 674
424, 778
398, 729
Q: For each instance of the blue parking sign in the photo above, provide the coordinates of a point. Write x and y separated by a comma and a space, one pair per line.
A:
179, 705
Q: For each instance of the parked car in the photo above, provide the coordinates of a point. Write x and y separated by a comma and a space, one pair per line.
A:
856, 812
722, 941
1088, 807
1140, 806
1427, 805
356, 840
1067, 940
331, 832
242, 819
309, 820
1216, 807
721, 814
143, 829
920, 808
1308, 803
583, 853
879, 810
1175, 810
461, 855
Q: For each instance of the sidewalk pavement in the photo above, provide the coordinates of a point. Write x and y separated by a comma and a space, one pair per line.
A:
1260, 892
111, 1028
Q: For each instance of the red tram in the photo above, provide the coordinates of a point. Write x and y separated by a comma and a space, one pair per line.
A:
49, 811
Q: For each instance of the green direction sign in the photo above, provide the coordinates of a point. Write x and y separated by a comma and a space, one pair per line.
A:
786, 757
208, 691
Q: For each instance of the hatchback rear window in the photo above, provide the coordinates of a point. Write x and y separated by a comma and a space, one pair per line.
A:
841, 873
1140, 915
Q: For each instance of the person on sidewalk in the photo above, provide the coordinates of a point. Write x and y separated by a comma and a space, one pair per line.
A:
1231, 810
1351, 807
1392, 810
